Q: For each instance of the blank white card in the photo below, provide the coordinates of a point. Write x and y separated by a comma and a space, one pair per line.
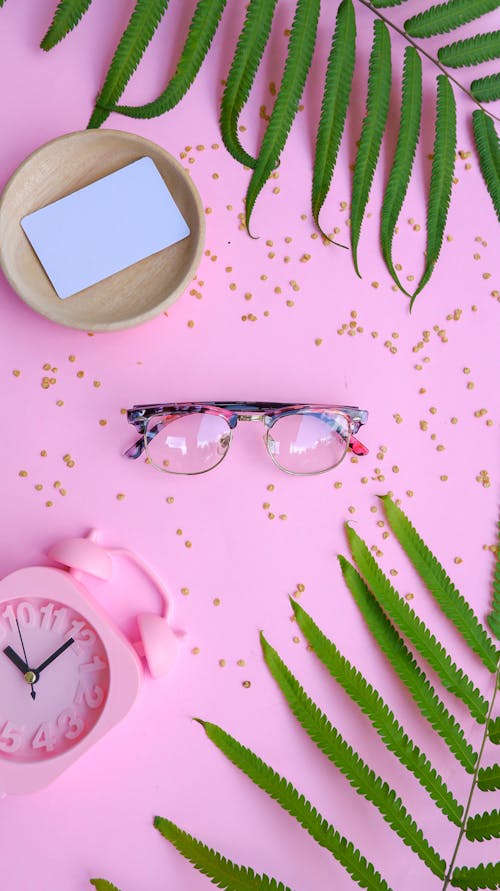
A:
105, 227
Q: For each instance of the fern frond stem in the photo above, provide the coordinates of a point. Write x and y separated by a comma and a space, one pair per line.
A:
427, 55
465, 817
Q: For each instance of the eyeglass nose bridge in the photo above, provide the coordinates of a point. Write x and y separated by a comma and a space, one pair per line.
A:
252, 417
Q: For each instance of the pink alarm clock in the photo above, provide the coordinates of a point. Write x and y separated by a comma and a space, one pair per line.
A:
67, 674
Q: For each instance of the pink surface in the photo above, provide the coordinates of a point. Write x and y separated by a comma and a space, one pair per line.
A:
263, 325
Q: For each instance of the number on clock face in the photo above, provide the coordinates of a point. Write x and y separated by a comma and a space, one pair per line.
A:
54, 678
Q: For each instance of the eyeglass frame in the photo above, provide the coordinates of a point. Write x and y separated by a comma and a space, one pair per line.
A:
266, 412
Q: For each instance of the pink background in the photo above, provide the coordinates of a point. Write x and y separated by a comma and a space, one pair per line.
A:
96, 819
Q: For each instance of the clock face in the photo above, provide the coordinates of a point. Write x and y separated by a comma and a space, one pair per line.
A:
54, 678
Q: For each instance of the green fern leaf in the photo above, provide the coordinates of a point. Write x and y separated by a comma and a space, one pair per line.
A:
486, 875
446, 17
223, 872
454, 606
494, 731
249, 51
452, 677
409, 130
278, 788
103, 885
338, 85
486, 89
483, 826
488, 149
142, 25
204, 23
298, 61
494, 616
377, 107
361, 778
380, 715
66, 17
471, 51
381, 4
488, 778
407, 669
443, 165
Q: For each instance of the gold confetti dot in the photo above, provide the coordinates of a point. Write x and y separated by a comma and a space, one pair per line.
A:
246, 684
301, 588
23, 473
188, 544
102, 422
120, 496
241, 662
190, 324
457, 560
216, 601
16, 372
38, 487
169, 499
195, 651
49, 504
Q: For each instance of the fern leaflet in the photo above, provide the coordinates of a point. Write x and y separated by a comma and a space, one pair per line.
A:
488, 778
142, 25
409, 130
494, 731
443, 165
483, 826
66, 17
494, 616
377, 107
398, 610
338, 85
446, 17
206, 18
471, 51
380, 715
407, 669
298, 61
289, 799
381, 4
249, 51
223, 872
488, 149
486, 89
453, 605
360, 776
486, 875
103, 885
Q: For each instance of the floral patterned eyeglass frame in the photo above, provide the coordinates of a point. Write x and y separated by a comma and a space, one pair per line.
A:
141, 416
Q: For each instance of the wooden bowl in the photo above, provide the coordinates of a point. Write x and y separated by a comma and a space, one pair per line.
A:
126, 298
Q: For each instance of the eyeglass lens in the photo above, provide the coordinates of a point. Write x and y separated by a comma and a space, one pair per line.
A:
187, 443
308, 442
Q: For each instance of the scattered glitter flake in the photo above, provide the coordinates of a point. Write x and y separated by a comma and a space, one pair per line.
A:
169, 499
195, 651
216, 601
188, 544
23, 473
241, 663
38, 487
16, 372
49, 504
96, 384
184, 592
301, 588
409, 596
458, 560
190, 324
246, 684
120, 496
222, 663
318, 341
102, 422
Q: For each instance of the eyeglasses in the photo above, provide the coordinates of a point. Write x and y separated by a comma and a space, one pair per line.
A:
193, 437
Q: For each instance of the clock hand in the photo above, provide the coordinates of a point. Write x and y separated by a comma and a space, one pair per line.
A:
16, 660
53, 657
27, 679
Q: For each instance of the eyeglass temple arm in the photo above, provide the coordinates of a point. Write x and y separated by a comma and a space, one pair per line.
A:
357, 447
